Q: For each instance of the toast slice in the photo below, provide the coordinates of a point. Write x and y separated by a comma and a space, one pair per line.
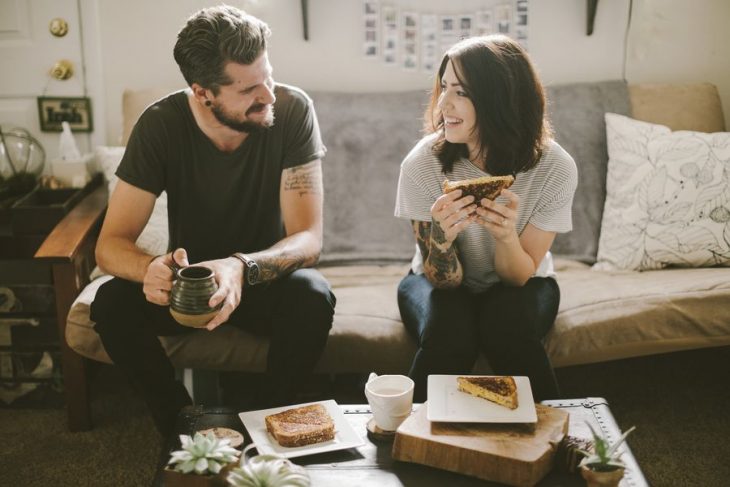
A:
301, 426
485, 187
499, 389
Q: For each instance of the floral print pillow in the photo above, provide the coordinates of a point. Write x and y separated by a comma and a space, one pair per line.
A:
667, 198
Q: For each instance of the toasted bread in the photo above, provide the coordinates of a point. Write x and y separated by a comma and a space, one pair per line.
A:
501, 390
485, 187
301, 426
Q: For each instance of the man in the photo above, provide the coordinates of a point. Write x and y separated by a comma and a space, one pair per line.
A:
244, 199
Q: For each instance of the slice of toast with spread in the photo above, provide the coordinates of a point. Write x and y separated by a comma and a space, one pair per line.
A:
301, 426
485, 187
498, 389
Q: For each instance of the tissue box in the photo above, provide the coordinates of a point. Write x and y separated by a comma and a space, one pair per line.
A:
73, 174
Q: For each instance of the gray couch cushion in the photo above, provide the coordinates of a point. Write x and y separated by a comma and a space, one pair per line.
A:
367, 136
577, 111
367, 142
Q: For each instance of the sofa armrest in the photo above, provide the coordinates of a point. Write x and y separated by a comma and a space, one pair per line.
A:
67, 240
70, 250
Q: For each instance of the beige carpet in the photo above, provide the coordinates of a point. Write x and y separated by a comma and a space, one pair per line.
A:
678, 402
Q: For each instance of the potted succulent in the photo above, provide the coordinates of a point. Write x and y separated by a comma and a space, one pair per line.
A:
267, 471
603, 467
203, 461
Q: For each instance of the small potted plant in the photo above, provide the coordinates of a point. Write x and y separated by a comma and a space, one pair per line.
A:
203, 461
267, 471
603, 467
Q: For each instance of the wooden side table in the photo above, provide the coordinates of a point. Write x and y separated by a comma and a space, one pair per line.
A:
57, 266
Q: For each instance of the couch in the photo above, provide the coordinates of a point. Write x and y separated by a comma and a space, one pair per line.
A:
603, 315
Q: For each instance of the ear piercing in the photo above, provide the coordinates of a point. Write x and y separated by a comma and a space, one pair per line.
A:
208, 103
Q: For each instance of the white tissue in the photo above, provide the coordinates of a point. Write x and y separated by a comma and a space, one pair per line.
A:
70, 168
67, 149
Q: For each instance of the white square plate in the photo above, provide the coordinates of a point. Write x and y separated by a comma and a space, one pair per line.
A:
447, 404
345, 435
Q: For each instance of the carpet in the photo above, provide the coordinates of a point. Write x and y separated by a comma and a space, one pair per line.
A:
678, 402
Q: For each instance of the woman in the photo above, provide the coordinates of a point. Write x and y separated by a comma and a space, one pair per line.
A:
482, 277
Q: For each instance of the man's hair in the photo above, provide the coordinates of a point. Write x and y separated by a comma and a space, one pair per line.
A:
509, 100
215, 36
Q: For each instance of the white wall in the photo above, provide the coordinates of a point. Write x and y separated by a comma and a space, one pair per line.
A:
670, 40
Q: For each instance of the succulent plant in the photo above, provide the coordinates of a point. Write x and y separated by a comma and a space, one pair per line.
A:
605, 456
268, 471
203, 454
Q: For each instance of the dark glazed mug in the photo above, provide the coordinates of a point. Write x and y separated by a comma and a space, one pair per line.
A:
191, 291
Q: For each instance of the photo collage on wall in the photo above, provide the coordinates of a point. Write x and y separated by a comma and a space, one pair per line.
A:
416, 40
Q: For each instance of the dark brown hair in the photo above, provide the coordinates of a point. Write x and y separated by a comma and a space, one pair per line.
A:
509, 100
215, 36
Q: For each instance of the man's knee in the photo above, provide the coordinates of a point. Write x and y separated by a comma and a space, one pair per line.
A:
112, 296
308, 297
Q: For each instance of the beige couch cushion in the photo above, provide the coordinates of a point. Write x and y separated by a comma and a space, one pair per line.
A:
612, 315
603, 316
693, 106
362, 337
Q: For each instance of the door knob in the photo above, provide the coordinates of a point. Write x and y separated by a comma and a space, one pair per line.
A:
62, 70
58, 27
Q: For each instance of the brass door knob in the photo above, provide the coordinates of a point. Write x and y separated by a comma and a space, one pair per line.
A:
58, 27
62, 70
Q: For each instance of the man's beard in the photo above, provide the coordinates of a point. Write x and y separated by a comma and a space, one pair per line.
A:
246, 126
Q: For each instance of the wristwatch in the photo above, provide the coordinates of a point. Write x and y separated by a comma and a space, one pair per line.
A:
250, 269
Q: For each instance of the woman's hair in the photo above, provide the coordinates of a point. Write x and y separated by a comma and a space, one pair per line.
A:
509, 100
215, 36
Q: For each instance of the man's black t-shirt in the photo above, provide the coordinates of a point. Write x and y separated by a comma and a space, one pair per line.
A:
220, 203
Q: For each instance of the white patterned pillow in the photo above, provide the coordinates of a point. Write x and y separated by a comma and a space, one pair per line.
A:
154, 236
667, 198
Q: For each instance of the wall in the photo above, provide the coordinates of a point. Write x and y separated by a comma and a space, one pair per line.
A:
136, 39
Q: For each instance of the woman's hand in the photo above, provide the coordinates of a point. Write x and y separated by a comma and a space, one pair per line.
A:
451, 214
499, 219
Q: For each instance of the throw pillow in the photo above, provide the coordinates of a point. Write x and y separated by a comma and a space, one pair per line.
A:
154, 236
667, 198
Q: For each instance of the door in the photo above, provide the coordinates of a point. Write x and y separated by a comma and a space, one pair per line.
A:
28, 51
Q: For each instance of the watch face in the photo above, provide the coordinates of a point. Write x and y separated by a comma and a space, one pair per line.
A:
253, 273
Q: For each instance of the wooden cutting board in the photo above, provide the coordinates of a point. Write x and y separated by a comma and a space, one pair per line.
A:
513, 454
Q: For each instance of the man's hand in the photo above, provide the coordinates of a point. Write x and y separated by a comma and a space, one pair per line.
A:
229, 276
157, 281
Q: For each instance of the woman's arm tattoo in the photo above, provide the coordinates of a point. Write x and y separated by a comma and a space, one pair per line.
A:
441, 263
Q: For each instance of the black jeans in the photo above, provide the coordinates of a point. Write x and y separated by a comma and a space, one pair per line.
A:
506, 323
295, 311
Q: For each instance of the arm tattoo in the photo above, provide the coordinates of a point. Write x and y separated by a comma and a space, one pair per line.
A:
282, 264
442, 265
304, 179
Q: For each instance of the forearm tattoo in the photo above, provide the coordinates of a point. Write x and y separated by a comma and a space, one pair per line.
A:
305, 179
440, 261
272, 268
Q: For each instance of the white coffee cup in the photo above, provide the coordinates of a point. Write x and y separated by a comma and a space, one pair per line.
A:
390, 398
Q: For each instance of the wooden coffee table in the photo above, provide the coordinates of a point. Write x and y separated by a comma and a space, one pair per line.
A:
371, 464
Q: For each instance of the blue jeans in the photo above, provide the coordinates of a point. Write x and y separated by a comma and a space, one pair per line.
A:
506, 323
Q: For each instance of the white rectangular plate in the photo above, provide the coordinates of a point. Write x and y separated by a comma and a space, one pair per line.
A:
447, 404
345, 435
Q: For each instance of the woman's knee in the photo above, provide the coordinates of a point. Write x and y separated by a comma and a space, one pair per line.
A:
526, 312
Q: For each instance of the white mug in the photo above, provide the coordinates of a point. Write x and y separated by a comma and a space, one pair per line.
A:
390, 398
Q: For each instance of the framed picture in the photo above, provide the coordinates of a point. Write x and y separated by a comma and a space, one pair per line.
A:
75, 111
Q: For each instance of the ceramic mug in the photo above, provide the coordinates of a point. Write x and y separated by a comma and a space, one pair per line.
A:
191, 291
390, 398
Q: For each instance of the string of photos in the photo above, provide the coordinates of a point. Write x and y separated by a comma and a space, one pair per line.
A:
416, 40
